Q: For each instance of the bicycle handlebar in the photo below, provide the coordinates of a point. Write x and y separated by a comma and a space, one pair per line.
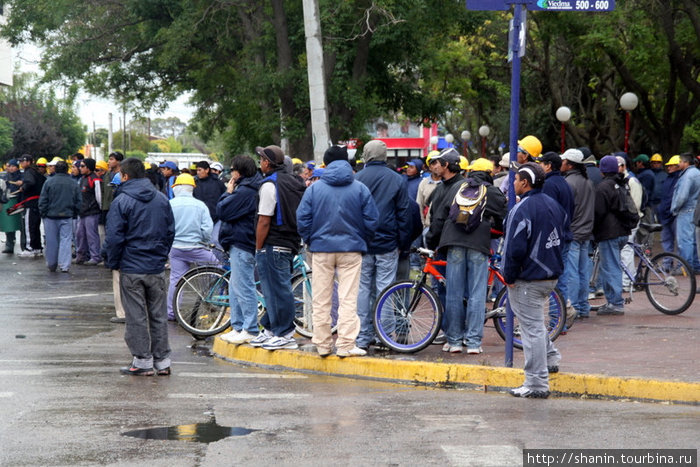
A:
423, 252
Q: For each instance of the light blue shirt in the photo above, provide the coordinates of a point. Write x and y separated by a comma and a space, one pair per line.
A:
685, 196
193, 223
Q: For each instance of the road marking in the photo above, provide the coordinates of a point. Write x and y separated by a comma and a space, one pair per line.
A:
240, 375
238, 396
484, 456
21, 372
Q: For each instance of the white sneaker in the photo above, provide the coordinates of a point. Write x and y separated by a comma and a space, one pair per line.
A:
261, 338
26, 254
230, 335
474, 350
280, 343
354, 352
452, 348
241, 337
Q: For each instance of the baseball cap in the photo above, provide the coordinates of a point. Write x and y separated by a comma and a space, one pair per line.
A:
217, 166
449, 155
641, 158
14, 162
572, 155
26, 158
272, 153
417, 163
505, 160
169, 165
550, 157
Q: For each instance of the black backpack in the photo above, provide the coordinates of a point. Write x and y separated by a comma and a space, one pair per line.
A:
627, 211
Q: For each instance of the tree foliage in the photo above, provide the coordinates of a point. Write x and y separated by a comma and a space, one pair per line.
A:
6, 130
244, 62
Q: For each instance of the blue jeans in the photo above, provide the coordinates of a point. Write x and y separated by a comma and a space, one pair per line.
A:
611, 270
685, 238
467, 274
577, 272
59, 235
378, 272
242, 293
562, 283
275, 269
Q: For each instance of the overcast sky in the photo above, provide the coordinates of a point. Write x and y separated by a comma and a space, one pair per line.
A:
93, 109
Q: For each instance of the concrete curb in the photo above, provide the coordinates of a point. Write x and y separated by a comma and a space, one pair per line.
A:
433, 373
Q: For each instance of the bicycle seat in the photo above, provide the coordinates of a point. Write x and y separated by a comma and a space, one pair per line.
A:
651, 227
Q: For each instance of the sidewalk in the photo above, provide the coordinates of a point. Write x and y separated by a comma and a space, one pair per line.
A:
643, 355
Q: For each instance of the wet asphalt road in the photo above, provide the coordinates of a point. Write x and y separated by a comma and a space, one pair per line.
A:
63, 402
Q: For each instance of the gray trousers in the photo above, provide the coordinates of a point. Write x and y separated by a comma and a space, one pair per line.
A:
528, 300
143, 297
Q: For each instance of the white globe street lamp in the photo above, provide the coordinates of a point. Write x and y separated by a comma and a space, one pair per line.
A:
563, 115
628, 102
484, 132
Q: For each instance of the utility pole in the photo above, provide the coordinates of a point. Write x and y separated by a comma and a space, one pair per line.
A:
317, 83
109, 135
124, 129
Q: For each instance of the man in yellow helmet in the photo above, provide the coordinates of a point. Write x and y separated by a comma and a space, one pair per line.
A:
529, 148
657, 167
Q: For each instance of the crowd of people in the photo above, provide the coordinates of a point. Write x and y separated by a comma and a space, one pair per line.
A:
356, 224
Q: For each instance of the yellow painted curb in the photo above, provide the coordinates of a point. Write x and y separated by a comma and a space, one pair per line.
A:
451, 373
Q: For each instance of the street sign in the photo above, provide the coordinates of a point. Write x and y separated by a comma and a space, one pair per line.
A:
542, 5
523, 33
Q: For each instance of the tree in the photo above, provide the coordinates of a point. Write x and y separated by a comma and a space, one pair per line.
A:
6, 130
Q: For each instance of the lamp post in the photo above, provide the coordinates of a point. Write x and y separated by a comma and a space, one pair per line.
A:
484, 132
563, 115
628, 102
449, 139
466, 136
433, 142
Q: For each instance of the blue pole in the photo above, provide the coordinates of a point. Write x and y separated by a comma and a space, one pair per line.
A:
514, 119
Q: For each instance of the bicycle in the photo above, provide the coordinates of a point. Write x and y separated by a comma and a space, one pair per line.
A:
201, 299
667, 279
408, 314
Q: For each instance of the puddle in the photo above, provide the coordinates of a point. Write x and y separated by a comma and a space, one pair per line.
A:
195, 433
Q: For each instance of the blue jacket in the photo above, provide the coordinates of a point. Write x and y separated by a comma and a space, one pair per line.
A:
685, 196
663, 211
556, 187
660, 176
412, 185
140, 229
209, 190
193, 224
389, 191
648, 180
337, 213
532, 248
237, 212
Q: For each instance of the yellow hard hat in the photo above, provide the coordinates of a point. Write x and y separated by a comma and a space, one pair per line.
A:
532, 145
463, 163
296, 160
481, 165
193, 166
184, 179
656, 158
431, 154
41, 161
147, 165
101, 165
675, 160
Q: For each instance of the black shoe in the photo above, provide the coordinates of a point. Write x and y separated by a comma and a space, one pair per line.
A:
608, 309
163, 372
522, 391
131, 370
8, 251
115, 319
52, 268
553, 369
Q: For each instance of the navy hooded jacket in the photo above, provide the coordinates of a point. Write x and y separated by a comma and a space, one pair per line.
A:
237, 212
140, 229
390, 194
556, 187
337, 213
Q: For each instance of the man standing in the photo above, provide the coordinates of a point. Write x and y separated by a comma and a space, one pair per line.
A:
610, 234
30, 186
209, 188
657, 168
336, 219
576, 263
87, 238
140, 232
532, 262
380, 263
193, 227
685, 197
276, 243
169, 171
426, 188
467, 247
663, 211
59, 204
11, 224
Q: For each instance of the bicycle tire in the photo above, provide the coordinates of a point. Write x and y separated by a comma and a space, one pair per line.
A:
303, 306
201, 301
595, 299
555, 325
670, 286
407, 330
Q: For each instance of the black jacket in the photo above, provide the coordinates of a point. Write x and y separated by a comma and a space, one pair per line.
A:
450, 234
237, 212
608, 202
32, 183
60, 198
209, 190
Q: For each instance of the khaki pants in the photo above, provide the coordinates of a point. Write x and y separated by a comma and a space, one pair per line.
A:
347, 267
118, 308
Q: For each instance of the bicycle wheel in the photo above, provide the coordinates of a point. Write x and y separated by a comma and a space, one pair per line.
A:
554, 315
669, 283
303, 308
407, 316
201, 302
